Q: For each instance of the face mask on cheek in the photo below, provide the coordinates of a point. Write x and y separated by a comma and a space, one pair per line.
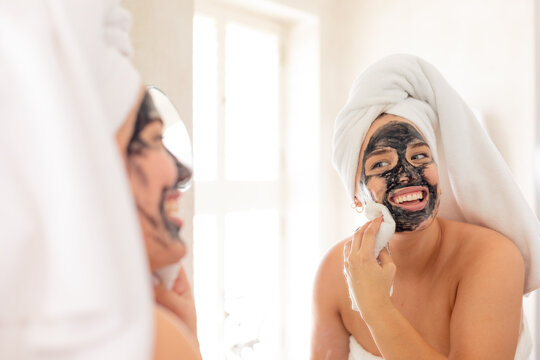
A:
404, 178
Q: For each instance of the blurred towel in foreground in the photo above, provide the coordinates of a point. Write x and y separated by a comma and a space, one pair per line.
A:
73, 273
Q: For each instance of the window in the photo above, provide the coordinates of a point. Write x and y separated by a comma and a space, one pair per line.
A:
238, 181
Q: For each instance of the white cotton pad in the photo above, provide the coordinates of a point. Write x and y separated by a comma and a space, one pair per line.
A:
388, 226
167, 274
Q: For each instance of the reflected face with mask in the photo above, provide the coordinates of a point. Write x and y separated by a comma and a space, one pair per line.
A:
396, 168
155, 176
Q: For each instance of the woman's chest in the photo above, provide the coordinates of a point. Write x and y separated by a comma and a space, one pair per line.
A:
426, 305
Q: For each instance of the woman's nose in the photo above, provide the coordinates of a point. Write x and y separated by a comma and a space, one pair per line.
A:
183, 174
407, 174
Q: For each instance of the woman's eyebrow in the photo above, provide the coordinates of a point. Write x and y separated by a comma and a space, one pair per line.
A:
417, 145
379, 152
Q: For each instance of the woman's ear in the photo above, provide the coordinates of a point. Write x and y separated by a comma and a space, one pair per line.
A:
357, 204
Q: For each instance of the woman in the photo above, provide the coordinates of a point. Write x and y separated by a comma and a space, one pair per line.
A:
465, 245
155, 176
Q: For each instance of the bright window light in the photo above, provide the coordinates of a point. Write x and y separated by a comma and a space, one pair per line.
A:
251, 284
251, 92
207, 285
237, 227
205, 97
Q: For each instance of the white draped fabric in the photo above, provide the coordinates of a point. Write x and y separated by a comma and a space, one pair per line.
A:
73, 273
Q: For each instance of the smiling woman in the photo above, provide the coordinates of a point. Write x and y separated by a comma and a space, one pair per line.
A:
452, 287
156, 177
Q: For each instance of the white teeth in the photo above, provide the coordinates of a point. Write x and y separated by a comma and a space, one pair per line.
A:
171, 207
409, 197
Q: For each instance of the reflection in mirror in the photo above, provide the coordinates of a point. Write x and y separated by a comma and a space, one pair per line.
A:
176, 137
158, 172
159, 169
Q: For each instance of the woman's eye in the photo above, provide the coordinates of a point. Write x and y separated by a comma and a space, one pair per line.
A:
419, 156
380, 164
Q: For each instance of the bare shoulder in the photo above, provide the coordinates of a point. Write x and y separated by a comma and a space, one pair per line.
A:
479, 248
172, 338
329, 281
489, 293
329, 338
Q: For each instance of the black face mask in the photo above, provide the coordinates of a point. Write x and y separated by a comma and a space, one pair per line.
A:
398, 135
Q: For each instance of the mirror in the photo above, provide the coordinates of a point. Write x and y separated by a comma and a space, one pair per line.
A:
176, 137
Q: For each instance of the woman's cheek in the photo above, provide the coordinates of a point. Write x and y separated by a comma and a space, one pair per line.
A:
162, 169
169, 168
138, 178
431, 173
377, 188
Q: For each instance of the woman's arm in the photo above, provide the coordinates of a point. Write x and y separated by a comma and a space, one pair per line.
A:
330, 339
485, 319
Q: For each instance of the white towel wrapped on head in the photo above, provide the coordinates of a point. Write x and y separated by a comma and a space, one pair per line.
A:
471, 170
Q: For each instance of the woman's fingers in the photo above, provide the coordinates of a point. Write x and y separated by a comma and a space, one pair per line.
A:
367, 248
181, 305
357, 238
167, 298
181, 285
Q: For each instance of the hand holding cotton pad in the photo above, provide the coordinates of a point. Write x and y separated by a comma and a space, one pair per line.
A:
388, 225
386, 230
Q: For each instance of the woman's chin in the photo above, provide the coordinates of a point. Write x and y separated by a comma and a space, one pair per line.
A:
175, 251
422, 226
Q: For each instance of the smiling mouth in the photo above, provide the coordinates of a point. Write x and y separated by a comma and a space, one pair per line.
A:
411, 198
171, 213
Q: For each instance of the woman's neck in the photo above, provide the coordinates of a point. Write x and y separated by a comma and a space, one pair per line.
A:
415, 251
